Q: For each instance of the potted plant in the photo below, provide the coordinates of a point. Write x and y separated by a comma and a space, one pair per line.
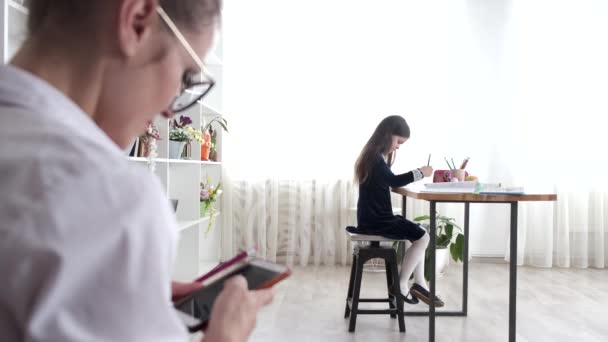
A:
178, 136
212, 144
209, 147
193, 135
208, 196
449, 242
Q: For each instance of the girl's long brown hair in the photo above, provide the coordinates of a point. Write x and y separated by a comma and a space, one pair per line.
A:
378, 144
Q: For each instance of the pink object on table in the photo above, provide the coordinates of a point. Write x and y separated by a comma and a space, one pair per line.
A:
441, 176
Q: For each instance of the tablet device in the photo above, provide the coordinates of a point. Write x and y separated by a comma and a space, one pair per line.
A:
193, 324
260, 274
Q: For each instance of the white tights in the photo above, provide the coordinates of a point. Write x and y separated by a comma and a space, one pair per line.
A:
414, 262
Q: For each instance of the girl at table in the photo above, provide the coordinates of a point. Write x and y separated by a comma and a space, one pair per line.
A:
374, 209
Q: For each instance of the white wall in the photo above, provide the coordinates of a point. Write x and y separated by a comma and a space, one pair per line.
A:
509, 83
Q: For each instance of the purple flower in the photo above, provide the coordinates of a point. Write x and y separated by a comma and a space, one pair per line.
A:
204, 195
184, 121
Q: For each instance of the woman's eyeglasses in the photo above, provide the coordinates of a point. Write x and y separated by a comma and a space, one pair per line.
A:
195, 85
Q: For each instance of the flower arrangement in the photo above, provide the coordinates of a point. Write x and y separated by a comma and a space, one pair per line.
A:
178, 134
208, 196
194, 134
178, 130
148, 146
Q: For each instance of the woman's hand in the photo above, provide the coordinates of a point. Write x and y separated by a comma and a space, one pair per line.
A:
180, 290
427, 171
234, 312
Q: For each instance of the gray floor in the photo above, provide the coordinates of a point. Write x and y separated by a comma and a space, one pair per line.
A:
553, 305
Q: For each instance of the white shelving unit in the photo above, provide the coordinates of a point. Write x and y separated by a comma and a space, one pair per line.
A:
14, 23
197, 251
188, 224
176, 161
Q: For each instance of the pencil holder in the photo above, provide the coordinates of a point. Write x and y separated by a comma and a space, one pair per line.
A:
459, 174
441, 176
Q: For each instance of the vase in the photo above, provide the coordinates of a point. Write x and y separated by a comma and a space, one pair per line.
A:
204, 210
175, 149
205, 150
187, 153
442, 260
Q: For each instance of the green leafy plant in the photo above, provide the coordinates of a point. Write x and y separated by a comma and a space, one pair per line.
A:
221, 121
448, 235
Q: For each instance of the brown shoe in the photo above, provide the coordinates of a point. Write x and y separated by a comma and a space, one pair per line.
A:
425, 296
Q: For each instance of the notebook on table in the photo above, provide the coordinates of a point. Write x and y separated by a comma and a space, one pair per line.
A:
473, 188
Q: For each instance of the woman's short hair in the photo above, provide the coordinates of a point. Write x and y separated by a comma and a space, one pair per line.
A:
79, 14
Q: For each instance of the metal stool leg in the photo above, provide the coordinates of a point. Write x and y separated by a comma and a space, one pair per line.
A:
349, 294
396, 289
389, 286
356, 292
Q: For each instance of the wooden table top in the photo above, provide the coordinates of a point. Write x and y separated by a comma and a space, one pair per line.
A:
469, 197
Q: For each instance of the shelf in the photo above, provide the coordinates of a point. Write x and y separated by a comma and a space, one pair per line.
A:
19, 7
140, 159
185, 161
181, 225
176, 161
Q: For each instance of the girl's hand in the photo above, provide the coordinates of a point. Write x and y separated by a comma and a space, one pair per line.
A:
427, 171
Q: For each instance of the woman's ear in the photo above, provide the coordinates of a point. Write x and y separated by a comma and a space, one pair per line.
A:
137, 20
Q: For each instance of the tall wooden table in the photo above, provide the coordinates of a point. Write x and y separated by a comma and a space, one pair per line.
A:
467, 198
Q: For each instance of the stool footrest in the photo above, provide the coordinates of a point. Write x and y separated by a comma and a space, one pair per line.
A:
373, 300
372, 311
377, 312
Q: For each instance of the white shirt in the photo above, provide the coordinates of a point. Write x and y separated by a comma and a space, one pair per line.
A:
87, 239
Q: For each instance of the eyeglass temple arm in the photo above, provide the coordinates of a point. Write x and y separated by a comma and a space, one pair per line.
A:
161, 12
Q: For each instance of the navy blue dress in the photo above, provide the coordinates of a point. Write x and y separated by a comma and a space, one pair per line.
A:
374, 209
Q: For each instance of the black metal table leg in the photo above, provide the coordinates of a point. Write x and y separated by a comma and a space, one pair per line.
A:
513, 274
432, 314
465, 266
465, 276
432, 246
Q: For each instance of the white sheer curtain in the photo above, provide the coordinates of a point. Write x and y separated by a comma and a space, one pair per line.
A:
519, 86
296, 222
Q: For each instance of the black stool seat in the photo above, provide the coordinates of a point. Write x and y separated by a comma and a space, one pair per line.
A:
361, 255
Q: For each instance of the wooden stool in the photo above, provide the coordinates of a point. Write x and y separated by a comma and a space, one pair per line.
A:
362, 254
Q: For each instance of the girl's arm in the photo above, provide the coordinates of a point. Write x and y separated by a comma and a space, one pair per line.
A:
397, 181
